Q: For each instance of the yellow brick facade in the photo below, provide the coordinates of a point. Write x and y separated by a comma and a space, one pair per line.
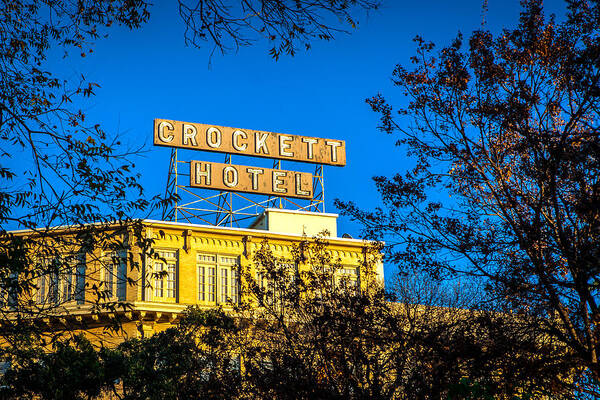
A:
199, 263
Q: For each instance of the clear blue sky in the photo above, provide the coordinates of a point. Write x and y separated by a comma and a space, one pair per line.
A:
149, 73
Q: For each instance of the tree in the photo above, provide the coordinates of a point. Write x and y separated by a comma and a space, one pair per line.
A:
506, 185
305, 330
288, 25
73, 370
196, 359
315, 334
57, 168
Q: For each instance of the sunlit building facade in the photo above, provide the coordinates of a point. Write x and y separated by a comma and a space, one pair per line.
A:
146, 290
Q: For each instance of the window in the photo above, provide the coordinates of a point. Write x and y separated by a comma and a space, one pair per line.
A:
66, 291
61, 279
229, 279
114, 275
47, 281
347, 277
217, 278
44, 282
274, 290
41, 290
224, 285
267, 287
165, 276
8, 291
207, 283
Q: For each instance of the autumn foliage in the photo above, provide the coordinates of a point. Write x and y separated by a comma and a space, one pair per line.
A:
505, 191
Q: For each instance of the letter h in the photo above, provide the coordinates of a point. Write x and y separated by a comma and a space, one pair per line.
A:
202, 174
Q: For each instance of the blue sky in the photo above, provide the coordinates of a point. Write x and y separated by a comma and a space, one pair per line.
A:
149, 73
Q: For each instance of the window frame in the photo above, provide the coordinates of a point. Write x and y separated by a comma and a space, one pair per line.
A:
166, 255
343, 278
63, 286
115, 263
273, 295
218, 279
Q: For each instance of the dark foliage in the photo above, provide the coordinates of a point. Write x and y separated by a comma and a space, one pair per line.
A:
313, 337
58, 168
505, 189
73, 370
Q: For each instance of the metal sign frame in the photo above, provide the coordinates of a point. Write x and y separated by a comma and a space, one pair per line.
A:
227, 208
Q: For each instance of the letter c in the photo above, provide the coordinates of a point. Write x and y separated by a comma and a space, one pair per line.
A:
236, 135
165, 138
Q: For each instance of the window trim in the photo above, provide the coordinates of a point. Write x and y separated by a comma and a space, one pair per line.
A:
153, 279
56, 283
342, 278
210, 285
118, 290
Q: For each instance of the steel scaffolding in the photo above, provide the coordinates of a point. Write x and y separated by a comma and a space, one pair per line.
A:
226, 208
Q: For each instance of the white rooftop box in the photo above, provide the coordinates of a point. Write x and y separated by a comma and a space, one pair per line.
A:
296, 222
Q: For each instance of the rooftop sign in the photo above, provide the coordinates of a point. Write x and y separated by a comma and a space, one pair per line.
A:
222, 139
274, 182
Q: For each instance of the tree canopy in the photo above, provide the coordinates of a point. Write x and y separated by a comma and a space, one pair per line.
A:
59, 168
303, 331
505, 190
